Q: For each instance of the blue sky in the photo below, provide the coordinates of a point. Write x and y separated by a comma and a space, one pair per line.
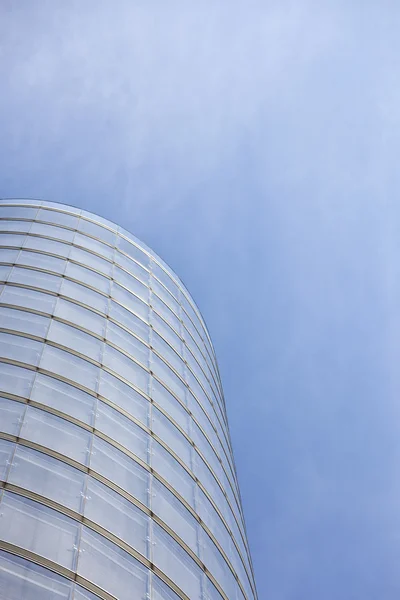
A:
255, 147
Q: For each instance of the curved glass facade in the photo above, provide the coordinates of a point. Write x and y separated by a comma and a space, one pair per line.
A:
117, 478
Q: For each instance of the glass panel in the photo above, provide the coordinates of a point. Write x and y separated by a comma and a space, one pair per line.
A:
28, 299
16, 347
41, 261
210, 517
18, 226
169, 403
166, 332
120, 469
20, 320
111, 568
58, 233
97, 219
23, 580
168, 354
165, 279
69, 366
160, 590
35, 279
131, 283
169, 468
124, 340
80, 316
132, 266
133, 251
117, 515
126, 368
129, 320
122, 430
81, 594
8, 256
127, 299
167, 376
17, 212
39, 529
171, 436
84, 295
216, 564
176, 563
77, 340
94, 246
163, 310
97, 231
174, 514
4, 272
56, 433
52, 216
11, 239
48, 246
47, 477
165, 296
6, 451
206, 478
15, 380
91, 260
64, 397
11, 414
88, 276
124, 397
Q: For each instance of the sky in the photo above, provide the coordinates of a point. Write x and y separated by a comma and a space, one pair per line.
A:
255, 146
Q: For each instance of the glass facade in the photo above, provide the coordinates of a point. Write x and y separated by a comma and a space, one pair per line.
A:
117, 479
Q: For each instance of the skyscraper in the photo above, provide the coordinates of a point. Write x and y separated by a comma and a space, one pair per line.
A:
117, 479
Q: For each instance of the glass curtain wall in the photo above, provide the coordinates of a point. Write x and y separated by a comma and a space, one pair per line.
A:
117, 479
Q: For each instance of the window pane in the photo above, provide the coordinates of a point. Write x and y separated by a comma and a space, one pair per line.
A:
59, 233
124, 340
16, 380
80, 316
169, 468
47, 477
129, 300
34, 278
174, 514
120, 469
17, 212
171, 357
90, 260
56, 433
94, 245
16, 347
129, 320
160, 590
133, 251
131, 283
64, 397
216, 564
132, 267
84, 295
8, 256
166, 332
20, 320
49, 246
168, 377
77, 340
171, 436
170, 404
97, 231
11, 239
69, 366
176, 563
126, 368
122, 430
88, 276
28, 299
23, 580
165, 279
18, 226
52, 216
39, 529
111, 568
163, 310
118, 515
124, 397
11, 414
6, 451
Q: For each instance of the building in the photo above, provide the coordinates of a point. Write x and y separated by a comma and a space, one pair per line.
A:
117, 479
